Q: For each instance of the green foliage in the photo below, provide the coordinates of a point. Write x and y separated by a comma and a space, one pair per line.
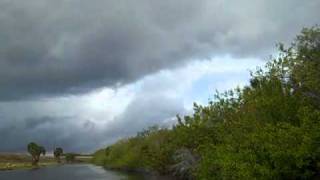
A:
148, 150
269, 129
70, 157
99, 157
35, 151
57, 153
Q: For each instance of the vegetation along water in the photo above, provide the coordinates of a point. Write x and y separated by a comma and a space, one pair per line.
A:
269, 129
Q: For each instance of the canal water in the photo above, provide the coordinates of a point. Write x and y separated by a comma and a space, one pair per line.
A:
73, 172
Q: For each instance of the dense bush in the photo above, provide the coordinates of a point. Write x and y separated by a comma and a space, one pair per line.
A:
269, 129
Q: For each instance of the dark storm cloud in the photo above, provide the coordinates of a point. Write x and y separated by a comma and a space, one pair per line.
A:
69, 46
49, 132
155, 103
77, 135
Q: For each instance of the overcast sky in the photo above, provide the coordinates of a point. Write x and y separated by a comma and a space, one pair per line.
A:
82, 74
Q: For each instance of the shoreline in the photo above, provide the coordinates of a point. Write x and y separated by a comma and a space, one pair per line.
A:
11, 166
142, 171
10, 162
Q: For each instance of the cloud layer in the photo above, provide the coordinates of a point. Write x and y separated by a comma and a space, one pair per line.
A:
87, 122
82, 74
70, 46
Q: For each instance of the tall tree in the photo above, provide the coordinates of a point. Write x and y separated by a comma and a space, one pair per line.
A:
35, 150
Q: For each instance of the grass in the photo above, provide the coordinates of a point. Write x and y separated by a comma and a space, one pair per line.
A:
21, 165
22, 161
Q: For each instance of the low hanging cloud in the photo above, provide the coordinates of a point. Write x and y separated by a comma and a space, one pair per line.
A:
79, 134
76, 126
47, 131
61, 47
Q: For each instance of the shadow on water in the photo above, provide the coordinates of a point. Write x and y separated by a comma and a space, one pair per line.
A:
74, 172
141, 176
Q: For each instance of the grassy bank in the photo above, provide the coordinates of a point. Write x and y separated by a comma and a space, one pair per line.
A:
21, 165
269, 129
22, 161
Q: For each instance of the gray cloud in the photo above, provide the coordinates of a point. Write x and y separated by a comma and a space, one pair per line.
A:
70, 46
62, 47
154, 103
75, 134
49, 132
142, 113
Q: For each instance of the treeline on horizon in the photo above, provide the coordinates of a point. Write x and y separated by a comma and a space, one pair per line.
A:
36, 150
269, 129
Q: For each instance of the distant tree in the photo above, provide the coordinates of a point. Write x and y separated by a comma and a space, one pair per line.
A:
70, 157
57, 153
35, 150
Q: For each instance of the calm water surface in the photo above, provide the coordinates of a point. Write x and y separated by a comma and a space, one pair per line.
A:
72, 172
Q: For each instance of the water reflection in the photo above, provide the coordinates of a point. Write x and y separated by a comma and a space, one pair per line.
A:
73, 172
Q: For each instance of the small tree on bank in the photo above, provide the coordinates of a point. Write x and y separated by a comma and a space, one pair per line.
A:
70, 157
35, 151
57, 153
